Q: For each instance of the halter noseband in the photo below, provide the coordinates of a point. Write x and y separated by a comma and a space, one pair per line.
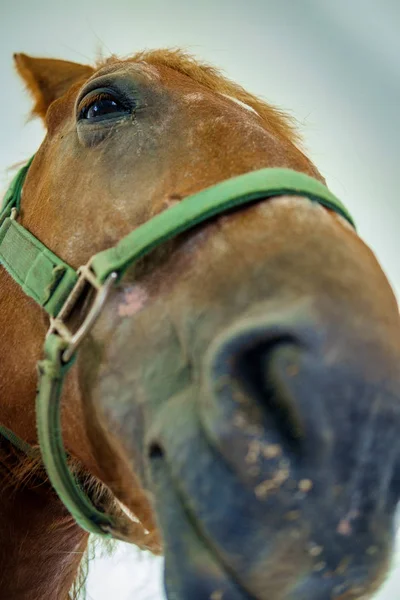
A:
59, 289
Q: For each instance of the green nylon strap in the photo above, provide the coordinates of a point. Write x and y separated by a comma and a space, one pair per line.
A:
68, 490
219, 198
66, 486
41, 274
19, 443
52, 372
49, 280
12, 199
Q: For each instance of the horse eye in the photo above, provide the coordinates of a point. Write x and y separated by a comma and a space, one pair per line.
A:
101, 107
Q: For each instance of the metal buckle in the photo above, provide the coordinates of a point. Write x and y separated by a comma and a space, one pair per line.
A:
57, 324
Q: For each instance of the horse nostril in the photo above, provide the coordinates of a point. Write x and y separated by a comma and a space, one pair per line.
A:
262, 372
155, 451
268, 376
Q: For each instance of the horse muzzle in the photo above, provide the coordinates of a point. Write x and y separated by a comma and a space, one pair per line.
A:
280, 481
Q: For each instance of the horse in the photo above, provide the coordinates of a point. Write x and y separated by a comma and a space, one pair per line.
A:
235, 404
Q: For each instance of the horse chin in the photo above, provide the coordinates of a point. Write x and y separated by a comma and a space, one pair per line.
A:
222, 542
192, 570
195, 569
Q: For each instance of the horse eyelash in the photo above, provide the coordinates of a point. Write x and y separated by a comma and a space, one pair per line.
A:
89, 100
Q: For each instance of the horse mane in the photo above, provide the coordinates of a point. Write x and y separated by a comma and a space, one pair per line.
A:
28, 470
212, 78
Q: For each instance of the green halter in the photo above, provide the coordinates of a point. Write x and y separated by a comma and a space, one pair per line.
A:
59, 289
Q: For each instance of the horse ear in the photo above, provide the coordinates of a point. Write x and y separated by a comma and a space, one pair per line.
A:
48, 79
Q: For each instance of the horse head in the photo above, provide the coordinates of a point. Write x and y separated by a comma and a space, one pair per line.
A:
239, 393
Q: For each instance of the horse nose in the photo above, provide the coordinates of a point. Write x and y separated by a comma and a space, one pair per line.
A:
294, 410
264, 369
268, 372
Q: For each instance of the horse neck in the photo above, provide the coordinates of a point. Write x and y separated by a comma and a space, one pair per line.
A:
41, 546
22, 333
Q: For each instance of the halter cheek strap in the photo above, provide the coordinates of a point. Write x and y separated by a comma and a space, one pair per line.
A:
59, 289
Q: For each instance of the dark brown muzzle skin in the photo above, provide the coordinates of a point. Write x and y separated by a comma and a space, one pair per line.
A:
278, 434
257, 394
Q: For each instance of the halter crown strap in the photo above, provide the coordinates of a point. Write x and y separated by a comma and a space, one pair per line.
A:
55, 286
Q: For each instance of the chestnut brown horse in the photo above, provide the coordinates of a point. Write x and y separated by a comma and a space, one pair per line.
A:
240, 392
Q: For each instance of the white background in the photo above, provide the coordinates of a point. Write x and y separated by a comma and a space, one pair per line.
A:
334, 64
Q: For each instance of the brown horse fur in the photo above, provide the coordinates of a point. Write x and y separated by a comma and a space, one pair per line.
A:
193, 135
